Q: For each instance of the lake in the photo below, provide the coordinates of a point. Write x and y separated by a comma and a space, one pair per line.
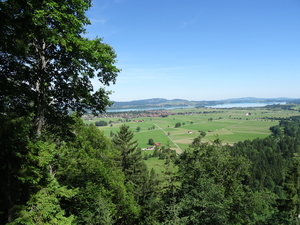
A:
246, 104
227, 105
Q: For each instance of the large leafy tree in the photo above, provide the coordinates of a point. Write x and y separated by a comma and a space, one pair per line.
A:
46, 63
46, 71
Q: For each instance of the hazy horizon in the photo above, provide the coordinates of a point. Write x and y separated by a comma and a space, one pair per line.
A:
276, 98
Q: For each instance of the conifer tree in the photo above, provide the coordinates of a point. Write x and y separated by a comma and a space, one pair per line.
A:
87, 165
44, 206
131, 161
292, 191
30, 193
16, 179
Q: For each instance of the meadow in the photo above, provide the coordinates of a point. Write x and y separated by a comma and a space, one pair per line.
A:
230, 125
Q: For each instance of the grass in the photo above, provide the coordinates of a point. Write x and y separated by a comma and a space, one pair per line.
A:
231, 125
157, 164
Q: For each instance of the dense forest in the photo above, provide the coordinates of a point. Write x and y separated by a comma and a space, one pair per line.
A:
87, 178
54, 169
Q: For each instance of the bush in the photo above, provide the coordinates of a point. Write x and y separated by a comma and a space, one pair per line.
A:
101, 123
177, 125
150, 141
162, 156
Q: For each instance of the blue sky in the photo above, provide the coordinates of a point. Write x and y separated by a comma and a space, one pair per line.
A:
201, 49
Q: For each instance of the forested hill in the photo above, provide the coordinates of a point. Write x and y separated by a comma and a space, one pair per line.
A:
159, 102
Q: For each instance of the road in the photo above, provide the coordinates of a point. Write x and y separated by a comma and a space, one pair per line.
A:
169, 138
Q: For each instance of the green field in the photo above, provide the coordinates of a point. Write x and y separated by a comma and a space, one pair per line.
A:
231, 125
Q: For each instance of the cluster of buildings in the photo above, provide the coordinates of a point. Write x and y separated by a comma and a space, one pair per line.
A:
138, 114
132, 115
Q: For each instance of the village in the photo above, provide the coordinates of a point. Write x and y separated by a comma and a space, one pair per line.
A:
146, 113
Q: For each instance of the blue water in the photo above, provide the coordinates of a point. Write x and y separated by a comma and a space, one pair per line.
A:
228, 105
151, 108
245, 104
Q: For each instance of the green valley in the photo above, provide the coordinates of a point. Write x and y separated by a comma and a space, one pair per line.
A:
230, 125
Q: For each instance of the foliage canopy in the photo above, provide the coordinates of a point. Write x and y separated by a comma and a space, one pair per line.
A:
46, 63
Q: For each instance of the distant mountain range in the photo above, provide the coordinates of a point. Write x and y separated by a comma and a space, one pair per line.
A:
252, 99
162, 102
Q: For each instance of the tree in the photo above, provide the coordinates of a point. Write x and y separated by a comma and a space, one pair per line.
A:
202, 134
101, 123
291, 187
16, 184
156, 151
44, 207
150, 141
276, 130
46, 63
177, 125
46, 67
138, 129
151, 205
131, 161
29, 191
212, 190
88, 165
146, 156
111, 134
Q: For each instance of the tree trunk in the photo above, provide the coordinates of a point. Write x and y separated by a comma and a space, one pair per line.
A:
40, 100
9, 202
